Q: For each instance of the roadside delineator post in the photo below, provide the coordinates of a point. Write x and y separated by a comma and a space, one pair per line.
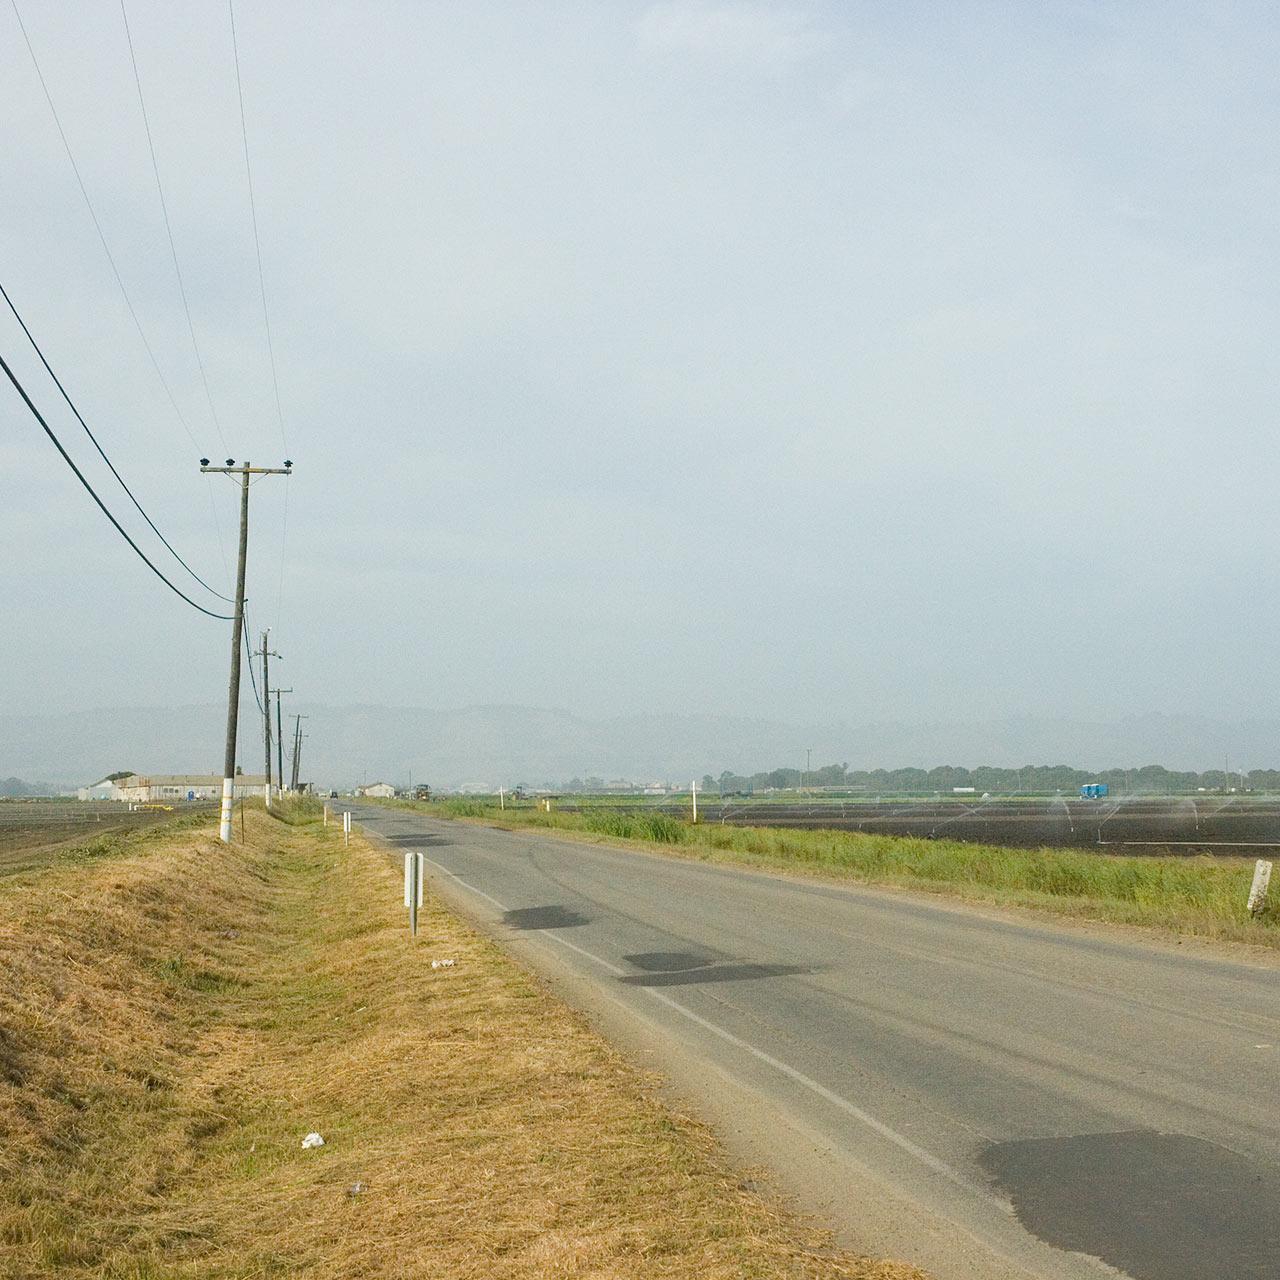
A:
346, 827
693, 789
414, 878
1261, 883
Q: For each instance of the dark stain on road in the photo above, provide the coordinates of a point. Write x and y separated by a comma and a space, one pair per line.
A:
550, 917
1158, 1206
418, 841
668, 961
710, 971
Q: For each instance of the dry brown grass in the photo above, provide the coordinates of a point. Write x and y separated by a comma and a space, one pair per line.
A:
175, 1019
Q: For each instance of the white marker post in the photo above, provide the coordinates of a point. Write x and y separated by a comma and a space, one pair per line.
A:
326, 815
502, 798
1258, 893
693, 788
346, 827
413, 888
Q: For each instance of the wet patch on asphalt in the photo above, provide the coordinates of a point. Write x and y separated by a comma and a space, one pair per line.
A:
550, 917
684, 968
1157, 1206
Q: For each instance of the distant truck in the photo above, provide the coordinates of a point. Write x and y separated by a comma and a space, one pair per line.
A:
1094, 791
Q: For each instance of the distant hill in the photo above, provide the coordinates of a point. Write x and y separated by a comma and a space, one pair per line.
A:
504, 745
11, 788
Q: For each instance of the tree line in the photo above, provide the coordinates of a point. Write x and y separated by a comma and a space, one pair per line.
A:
1152, 779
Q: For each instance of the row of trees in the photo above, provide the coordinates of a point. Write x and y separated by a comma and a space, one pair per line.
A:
1152, 779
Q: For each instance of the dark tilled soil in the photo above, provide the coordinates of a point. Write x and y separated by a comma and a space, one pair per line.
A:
1216, 825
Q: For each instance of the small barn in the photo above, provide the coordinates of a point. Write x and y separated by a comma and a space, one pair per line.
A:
104, 790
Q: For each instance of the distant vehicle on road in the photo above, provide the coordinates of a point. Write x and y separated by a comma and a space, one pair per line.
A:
1094, 791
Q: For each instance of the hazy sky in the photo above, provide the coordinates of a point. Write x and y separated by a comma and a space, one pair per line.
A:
807, 361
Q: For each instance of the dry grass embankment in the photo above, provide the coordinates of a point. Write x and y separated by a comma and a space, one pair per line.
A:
1196, 896
175, 1017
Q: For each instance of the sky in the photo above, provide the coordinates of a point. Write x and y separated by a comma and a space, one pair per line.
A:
811, 361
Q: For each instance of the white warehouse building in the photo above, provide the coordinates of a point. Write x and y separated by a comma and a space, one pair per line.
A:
168, 788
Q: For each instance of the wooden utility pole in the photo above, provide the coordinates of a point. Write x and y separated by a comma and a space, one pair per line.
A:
244, 471
297, 750
280, 737
266, 712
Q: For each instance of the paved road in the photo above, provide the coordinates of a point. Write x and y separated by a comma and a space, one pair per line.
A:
986, 1095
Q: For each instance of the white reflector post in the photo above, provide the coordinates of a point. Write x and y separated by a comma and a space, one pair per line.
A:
1258, 892
414, 876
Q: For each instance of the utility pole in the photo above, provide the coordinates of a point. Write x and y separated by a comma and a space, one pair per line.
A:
244, 471
280, 737
297, 750
266, 712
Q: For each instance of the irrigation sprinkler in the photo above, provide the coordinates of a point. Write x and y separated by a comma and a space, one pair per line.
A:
414, 878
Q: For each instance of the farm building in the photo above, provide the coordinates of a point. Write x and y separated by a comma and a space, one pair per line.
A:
104, 790
383, 790
170, 787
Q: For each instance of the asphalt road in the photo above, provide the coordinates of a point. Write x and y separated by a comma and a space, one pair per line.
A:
986, 1095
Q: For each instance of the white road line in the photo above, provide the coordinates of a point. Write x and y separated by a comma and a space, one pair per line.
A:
926, 1158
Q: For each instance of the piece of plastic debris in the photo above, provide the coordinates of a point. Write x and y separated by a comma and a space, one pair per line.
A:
356, 1188
312, 1140
442, 964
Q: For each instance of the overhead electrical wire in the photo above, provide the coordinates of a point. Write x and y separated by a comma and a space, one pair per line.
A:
115, 271
253, 216
262, 290
97, 226
164, 209
66, 457
248, 653
101, 452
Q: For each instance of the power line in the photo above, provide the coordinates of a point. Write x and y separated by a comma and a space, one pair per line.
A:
164, 209
253, 213
248, 651
97, 225
262, 290
284, 533
101, 452
66, 457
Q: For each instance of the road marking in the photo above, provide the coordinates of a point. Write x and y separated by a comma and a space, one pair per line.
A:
928, 1159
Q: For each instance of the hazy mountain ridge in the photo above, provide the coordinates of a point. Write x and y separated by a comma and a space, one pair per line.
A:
492, 745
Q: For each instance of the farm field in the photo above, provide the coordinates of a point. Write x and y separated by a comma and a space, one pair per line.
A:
35, 833
1213, 824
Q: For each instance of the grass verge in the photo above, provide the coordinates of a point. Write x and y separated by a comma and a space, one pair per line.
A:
1200, 896
174, 1018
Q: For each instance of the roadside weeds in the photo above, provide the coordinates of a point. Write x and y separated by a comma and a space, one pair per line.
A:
1200, 897
174, 1019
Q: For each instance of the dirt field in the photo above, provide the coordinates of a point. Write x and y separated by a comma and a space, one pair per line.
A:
36, 833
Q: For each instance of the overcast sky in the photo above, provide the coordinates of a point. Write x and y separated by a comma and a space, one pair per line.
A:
809, 361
